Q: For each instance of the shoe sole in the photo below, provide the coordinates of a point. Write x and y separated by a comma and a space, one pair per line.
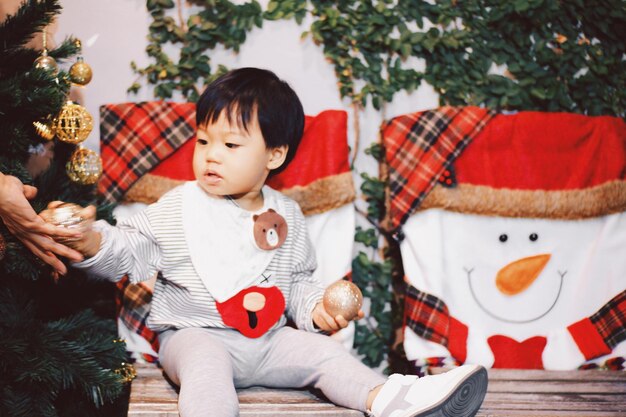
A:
463, 401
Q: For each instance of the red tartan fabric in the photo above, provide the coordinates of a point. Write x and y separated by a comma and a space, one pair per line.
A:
135, 137
133, 306
610, 320
426, 315
430, 140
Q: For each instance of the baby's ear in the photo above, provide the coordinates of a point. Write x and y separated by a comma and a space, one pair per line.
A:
271, 210
256, 216
277, 157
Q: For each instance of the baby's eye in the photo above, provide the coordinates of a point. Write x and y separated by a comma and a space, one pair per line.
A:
232, 145
202, 141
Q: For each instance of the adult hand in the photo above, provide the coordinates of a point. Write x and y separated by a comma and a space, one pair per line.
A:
328, 323
37, 235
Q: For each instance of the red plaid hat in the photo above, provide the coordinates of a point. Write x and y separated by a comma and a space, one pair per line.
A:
529, 164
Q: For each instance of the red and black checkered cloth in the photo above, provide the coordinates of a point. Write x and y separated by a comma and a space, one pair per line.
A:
133, 307
419, 147
136, 137
610, 320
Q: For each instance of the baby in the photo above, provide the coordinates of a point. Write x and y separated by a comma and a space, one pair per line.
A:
234, 262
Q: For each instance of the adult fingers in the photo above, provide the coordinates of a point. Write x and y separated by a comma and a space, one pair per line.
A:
29, 191
55, 232
46, 257
46, 244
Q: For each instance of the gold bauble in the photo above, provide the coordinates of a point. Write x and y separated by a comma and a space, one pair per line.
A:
64, 215
343, 297
46, 62
127, 372
73, 124
45, 129
84, 166
80, 72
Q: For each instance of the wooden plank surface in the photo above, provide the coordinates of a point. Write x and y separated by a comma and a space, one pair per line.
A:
510, 393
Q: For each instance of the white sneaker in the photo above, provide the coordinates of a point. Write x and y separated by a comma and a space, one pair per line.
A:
456, 393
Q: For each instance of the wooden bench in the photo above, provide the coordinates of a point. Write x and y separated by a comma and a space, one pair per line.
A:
511, 393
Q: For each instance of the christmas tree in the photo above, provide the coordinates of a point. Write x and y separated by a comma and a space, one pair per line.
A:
59, 352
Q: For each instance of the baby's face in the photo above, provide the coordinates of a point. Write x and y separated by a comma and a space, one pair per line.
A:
229, 160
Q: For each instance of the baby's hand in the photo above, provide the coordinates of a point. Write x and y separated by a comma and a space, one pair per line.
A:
87, 242
328, 323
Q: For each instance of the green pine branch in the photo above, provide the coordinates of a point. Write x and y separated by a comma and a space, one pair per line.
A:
31, 18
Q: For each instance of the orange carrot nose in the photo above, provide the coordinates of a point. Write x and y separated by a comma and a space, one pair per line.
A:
518, 275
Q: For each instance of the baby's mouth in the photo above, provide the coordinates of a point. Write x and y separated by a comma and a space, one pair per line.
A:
212, 177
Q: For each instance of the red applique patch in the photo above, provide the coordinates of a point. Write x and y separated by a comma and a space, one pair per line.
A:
510, 353
253, 322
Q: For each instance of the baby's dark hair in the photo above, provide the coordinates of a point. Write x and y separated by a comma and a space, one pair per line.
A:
242, 92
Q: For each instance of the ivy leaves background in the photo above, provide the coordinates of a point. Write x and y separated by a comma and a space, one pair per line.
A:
544, 55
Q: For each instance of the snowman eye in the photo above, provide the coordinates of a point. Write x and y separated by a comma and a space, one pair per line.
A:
533, 237
503, 237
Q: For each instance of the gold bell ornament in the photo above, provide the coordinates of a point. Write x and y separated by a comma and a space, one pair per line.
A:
44, 61
45, 129
73, 124
80, 72
343, 297
84, 166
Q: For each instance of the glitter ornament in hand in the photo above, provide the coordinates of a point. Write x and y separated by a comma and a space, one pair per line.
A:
343, 298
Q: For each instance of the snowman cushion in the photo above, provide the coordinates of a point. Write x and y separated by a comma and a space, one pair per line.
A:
514, 251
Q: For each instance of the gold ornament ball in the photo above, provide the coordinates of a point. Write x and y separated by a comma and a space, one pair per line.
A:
47, 63
73, 124
84, 166
66, 215
127, 372
44, 129
343, 297
80, 72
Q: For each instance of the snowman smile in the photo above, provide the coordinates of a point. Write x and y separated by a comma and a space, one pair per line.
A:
490, 301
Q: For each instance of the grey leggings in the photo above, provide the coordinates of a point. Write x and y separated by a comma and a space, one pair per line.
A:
209, 364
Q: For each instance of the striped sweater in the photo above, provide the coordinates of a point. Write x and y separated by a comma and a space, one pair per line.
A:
154, 241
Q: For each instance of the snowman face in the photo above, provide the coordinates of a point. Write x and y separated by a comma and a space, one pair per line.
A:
514, 275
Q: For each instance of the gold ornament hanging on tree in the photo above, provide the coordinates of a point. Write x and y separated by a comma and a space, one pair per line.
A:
45, 129
73, 124
84, 166
80, 72
44, 61
127, 372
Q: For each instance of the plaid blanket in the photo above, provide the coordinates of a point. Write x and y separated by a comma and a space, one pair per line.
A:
135, 137
133, 306
431, 140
